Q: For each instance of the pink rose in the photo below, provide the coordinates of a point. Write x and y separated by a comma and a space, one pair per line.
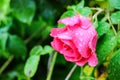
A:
76, 41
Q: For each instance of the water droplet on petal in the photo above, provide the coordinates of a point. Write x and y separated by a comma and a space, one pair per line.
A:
81, 40
77, 33
81, 34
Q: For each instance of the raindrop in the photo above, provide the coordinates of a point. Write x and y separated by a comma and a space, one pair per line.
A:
77, 33
81, 40
81, 34
80, 45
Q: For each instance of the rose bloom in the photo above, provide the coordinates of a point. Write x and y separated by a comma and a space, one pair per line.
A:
76, 41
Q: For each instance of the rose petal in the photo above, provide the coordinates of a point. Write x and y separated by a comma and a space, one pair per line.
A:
73, 59
92, 61
70, 21
64, 35
85, 22
57, 45
81, 40
56, 31
93, 41
82, 62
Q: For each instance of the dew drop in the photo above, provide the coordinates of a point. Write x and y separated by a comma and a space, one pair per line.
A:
81, 34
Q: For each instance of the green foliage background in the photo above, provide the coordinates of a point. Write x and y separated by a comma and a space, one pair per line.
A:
25, 51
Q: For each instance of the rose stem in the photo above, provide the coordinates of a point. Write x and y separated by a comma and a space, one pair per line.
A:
71, 71
108, 17
4, 66
51, 66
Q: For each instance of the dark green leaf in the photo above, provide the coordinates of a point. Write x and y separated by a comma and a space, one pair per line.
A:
114, 66
115, 3
102, 28
16, 46
23, 10
115, 17
36, 50
105, 45
31, 65
3, 40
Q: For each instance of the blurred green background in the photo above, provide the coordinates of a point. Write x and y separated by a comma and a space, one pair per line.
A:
25, 42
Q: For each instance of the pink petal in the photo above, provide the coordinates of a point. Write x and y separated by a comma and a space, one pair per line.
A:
85, 22
93, 41
71, 21
81, 39
92, 61
82, 62
73, 59
64, 35
56, 31
57, 45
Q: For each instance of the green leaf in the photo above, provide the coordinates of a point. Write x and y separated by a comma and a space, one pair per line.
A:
105, 45
36, 50
115, 3
31, 65
16, 46
4, 8
23, 10
76, 7
102, 28
47, 50
118, 38
80, 5
3, 40
86, 11
114, 66
68, 13
115, 17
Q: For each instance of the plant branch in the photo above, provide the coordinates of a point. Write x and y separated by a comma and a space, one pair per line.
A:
4, 66
108, 17
51, 67
70, 73
98, 12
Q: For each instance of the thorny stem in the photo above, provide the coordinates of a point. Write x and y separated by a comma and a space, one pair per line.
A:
70, 73
108, 17
4, 66
51, 67
98, 12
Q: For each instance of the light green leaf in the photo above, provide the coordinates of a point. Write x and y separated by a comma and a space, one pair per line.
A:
36, 50
105, 45
115, 17
86, 11
115, 3
76, 7
114, 66
4, 8
102, 28
23, 10
16, 46
31, 65
47, 50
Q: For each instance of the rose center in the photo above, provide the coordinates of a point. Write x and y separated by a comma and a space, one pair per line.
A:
66, 47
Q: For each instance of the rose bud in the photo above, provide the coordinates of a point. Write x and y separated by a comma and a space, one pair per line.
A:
76, 41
